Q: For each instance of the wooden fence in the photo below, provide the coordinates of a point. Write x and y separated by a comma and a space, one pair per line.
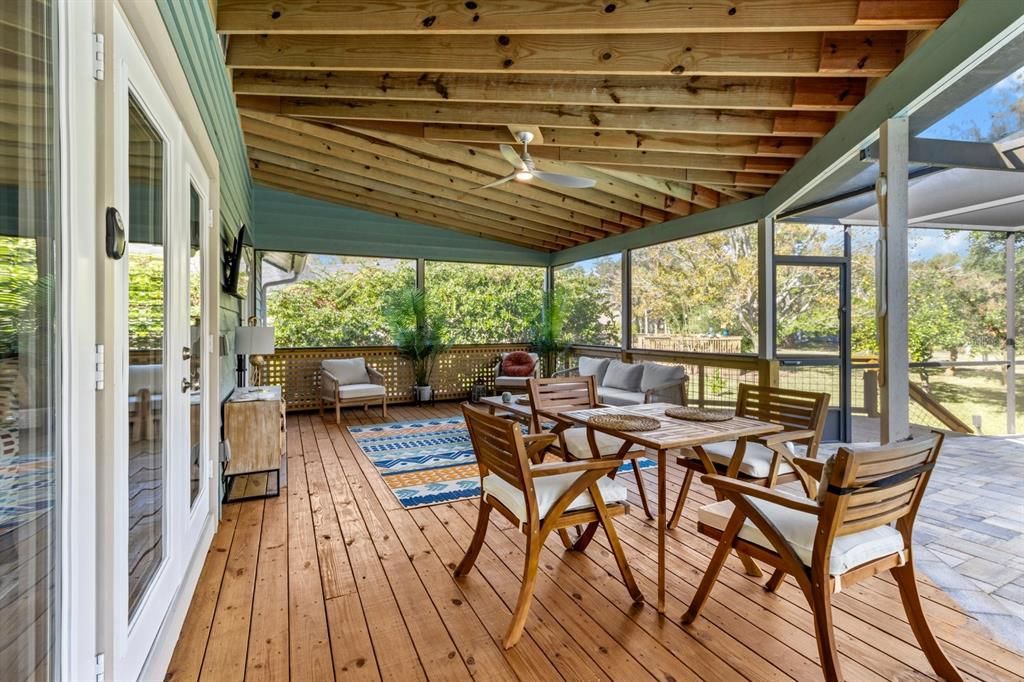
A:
690, 343
297, 371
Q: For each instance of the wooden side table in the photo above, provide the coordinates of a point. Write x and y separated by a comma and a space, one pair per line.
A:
254, 425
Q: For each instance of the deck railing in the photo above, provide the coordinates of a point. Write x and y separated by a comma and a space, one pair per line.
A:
297, 371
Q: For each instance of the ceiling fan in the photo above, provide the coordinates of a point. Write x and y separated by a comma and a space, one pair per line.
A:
526, 170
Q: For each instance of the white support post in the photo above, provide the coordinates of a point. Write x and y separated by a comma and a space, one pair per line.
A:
421, 273
626, 331
891, 281
1011, 333
766, 288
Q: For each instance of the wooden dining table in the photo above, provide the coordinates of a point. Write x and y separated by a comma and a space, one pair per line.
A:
672, 434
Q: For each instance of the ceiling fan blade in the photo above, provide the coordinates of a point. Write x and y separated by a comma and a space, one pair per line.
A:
571, 181
512, 157
499, 181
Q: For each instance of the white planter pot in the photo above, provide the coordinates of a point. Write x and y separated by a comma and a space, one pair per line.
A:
423, 393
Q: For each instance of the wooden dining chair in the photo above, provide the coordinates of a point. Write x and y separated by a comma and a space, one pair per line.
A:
766, 460
859, 523
547, 396
539, 498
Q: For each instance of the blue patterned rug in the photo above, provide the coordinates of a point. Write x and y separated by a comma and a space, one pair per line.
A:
429, 461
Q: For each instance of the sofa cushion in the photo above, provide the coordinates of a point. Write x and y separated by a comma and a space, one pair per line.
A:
347, 371
518, 364
623, 375
799, 528
548, 489
618, 397
656, 374
352, 391
593, 367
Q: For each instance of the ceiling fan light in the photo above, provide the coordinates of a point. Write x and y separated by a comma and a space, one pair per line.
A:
524, 175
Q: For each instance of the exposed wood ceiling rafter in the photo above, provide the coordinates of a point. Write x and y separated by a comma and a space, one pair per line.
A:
670, 108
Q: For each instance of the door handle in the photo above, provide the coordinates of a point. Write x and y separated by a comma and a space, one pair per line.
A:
186, 353
186, 386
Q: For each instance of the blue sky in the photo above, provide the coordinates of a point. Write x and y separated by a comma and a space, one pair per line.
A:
978, 110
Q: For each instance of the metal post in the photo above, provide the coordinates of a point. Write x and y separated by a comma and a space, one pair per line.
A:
1011, 333
421, 276
766, 288
892, 282
627, 302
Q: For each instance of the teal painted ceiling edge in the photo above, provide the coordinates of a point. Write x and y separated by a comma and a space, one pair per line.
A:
289, 222
195, 40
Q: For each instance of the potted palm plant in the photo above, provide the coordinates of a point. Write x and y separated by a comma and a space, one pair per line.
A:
546, 339
420, 336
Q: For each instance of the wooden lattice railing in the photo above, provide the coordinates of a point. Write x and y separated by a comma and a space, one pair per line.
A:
297, 371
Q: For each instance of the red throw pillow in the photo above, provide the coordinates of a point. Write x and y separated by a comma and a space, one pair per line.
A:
517, 364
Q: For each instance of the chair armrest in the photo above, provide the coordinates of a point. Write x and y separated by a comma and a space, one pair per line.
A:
326, 376
375, 376
813, 467
497, 369
652, 392
786, 437
576, 466
537, 444
567, 372
731, 485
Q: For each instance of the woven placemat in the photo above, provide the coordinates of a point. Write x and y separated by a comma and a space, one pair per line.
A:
625, 422
698, 414
523, 400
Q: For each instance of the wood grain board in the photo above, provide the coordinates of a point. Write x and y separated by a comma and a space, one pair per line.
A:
377, 600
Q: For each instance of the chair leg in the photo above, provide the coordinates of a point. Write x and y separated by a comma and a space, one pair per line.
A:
821, 606
563, 534
522, 610
773, 584
583, 541
337, 411
714, 568
683, 492
620, 559
643, 490
482, 521
320, 404
907, 582
384, 408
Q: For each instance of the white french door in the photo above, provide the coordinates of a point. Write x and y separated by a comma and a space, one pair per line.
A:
162, 499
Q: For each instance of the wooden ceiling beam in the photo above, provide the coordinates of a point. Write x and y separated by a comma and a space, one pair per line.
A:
731, 122
454, 161
686, 143
356, 161
341, 17
418, 213
273, 152
858, 53
686, 191
708, 92
699, 177
639, 157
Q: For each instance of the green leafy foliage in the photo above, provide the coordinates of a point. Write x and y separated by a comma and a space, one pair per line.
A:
418, 331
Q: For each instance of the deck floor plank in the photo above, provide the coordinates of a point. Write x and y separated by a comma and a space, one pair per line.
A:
338, 580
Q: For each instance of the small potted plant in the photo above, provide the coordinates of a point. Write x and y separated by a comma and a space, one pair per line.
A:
546, 334
420, 336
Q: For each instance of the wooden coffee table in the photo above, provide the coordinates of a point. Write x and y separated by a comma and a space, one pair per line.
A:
521, 413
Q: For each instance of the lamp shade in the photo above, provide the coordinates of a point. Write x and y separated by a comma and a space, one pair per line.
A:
254, 340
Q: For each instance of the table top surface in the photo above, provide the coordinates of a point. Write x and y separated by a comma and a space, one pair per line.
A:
255, 394
673, 433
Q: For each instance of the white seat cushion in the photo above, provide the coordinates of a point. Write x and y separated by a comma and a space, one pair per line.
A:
353, 391
548, 490
579, 447
757, 459
799, 528
619, 397
515, 382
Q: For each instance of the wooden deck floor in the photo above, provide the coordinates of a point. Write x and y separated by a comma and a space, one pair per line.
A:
333, 579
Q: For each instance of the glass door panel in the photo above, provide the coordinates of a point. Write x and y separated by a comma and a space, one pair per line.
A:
30, 345
147, 323
195, 347
808, 313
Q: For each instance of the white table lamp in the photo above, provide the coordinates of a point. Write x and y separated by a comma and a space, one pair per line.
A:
255, 342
